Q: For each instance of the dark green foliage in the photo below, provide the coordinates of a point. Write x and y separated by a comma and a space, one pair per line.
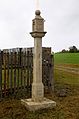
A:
73, 49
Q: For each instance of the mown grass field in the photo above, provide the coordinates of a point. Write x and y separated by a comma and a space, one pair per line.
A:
67, 68
67, 106
66, 58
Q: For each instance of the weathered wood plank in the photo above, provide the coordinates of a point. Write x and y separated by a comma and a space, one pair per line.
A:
11, 71
0, 74
7, 76
21, 65
27, 71
18, 70
15, 72
4, 65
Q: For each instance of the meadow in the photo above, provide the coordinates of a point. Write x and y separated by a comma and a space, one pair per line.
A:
66, 58
67, 67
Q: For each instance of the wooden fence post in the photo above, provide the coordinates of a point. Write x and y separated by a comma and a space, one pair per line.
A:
11, 70
4, 65
25, 67
21, 67
27, 71
0, 74
14, 68
7, 66
18, 67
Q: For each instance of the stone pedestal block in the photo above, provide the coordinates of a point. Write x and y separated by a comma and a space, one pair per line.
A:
34, 106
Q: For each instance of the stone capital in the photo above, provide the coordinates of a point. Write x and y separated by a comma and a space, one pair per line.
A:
37, 34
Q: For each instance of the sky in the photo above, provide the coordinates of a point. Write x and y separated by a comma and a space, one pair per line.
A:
61, 23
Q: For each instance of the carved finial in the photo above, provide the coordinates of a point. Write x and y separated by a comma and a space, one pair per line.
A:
37, 12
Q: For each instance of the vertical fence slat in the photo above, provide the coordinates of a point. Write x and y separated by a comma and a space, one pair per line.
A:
7, 70
51, 80
18, 67
21, 63
0, 74
11, 70
27, 71
20, 73
14, 72
4, 62
23, 69
31, 69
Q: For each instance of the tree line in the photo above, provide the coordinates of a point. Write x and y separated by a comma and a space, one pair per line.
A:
72, 49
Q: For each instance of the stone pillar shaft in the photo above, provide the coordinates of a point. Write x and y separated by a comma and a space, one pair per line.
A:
37, 61
37, 33
37, 86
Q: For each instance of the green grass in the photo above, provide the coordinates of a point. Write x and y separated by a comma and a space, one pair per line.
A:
63, 77
66, 58
70, 60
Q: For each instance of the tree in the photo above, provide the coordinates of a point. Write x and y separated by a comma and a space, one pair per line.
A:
73, 49
64, 51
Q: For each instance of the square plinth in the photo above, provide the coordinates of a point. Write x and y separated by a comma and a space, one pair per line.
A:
33, 106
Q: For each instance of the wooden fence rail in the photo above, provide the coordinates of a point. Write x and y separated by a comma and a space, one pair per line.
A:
16, 70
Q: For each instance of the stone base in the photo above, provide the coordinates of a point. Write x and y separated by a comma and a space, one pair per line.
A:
33, 106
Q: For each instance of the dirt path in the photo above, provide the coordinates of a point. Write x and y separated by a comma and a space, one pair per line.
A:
67, 69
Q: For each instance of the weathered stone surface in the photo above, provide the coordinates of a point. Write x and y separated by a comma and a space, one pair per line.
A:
34, 106
37, 101
37, 91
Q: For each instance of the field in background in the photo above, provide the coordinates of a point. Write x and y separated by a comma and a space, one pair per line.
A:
67, 67
66, 58
66, 76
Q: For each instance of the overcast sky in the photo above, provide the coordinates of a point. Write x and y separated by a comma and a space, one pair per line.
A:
61, 23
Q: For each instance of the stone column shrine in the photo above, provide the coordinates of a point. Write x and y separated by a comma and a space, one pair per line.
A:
38, 101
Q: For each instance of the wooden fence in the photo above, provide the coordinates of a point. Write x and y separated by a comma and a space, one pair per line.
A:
16, 71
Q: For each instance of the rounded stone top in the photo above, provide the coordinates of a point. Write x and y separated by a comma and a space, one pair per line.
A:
37, 12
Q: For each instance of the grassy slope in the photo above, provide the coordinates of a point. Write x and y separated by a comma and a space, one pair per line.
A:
69, 82
63, 77
66, 58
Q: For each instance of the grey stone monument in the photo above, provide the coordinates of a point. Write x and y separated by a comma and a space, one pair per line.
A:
38, 101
